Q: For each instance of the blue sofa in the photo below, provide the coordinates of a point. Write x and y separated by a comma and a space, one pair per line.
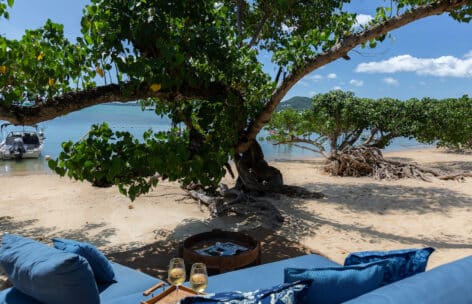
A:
128, 288
449, 283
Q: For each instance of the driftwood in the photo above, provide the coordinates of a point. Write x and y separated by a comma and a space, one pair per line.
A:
369, 161
458, 176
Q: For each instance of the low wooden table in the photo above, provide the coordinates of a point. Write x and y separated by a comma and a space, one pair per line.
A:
250, 257
170, 296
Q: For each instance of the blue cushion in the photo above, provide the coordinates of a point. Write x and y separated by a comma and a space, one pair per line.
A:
401, 263
100, 265
128, 289
14, 296
338, 284
265, 275
47, 274
449, 283
280, 294
129, 281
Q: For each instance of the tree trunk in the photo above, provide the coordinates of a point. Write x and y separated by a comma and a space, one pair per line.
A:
258, 178
255, 174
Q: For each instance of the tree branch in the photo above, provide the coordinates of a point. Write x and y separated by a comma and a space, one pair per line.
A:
278, 75
321, 150
368, 140
74, 101
255, 37
307, 148
337, 51
383, 140
239, 16
350, 139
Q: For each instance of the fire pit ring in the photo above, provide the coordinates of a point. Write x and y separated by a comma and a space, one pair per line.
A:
198, 242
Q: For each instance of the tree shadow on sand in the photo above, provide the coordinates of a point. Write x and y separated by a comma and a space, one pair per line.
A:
95, 233
453, 166
442, 166
379, 199
279, 242
382, 198
153, 259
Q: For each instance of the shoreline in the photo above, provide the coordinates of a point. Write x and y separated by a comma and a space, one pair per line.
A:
9, 168
357, 214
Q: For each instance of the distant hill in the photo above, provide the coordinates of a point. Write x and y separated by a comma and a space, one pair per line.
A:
297, 103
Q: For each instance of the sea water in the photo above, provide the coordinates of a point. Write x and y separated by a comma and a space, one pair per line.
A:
130, 117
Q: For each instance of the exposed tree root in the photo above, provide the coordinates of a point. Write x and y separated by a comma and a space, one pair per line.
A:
248, 199
369, 161
255, 210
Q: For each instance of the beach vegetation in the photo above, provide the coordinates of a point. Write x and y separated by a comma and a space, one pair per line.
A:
199, 63
350, 132
446, 122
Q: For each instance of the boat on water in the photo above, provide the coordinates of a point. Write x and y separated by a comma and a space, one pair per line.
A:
20, 142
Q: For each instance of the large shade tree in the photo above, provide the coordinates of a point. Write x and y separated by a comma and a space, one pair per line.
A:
198, 61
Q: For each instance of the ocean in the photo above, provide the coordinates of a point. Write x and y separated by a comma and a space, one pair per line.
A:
128, 117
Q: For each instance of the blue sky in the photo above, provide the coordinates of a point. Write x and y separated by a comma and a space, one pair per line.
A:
429, 58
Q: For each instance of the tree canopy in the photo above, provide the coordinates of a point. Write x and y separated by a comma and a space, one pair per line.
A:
197, 60
446, 122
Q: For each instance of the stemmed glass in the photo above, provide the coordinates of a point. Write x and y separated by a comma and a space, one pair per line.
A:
176, 274
198, 277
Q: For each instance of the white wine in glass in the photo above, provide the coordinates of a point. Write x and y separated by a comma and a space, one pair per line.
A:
198, 277
176, 274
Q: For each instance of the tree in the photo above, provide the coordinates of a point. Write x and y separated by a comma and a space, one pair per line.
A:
197, 60
347, 130
350, 131
448, 122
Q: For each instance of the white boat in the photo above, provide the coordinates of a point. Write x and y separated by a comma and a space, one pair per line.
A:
20, 143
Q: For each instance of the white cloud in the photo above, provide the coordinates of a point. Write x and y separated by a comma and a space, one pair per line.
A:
337, 88
444, 66
312, 93
356, 83
362, 20
316, 77
331, 76
390, 81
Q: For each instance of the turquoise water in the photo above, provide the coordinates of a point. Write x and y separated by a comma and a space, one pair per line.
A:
125, 117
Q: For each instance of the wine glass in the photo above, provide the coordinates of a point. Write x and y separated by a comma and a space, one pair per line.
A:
176, 274
198, 277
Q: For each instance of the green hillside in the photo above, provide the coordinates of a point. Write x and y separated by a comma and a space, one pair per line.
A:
297, 103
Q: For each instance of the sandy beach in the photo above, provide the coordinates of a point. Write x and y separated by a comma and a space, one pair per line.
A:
357, 214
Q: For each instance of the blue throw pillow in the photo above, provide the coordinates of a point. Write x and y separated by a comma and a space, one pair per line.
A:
400, 263
337, 284
100, 265
46, 274
280, 294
